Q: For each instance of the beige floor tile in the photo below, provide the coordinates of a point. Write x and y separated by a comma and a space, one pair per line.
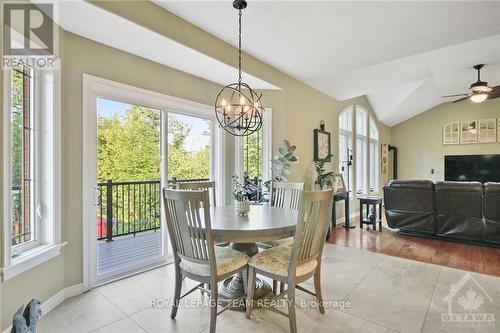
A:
82, 313
138, 294
125, 325
489, 303
396, 294
158, 320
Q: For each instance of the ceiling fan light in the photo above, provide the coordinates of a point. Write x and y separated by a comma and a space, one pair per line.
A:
478, 98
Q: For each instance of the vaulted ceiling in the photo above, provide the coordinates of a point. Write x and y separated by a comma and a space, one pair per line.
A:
402, 55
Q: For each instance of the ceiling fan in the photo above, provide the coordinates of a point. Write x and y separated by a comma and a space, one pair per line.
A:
479, 91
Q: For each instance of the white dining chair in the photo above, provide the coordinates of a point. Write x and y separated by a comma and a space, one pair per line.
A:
195, 255
202, 185
283, 194
301, 261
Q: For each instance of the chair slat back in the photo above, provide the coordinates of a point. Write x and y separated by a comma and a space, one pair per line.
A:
312, 226
188, 222
285, 194
204, 185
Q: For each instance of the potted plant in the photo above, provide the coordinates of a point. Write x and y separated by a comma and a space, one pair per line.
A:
323, 178
241, 202
282, 165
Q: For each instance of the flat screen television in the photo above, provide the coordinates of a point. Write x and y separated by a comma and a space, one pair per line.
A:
480, 168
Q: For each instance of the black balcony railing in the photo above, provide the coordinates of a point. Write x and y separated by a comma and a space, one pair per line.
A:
128, 208
21, 227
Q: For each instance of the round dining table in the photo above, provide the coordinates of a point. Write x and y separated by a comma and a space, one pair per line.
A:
263, 223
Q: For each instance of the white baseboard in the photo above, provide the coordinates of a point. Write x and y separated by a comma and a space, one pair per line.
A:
62, 295
341, 220
57, 299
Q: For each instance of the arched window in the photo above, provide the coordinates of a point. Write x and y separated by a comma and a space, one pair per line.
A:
359, 150
345, 145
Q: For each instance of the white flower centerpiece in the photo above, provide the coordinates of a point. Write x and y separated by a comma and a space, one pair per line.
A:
241, 202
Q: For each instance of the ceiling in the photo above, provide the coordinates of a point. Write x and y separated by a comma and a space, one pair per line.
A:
401, 55
110, 29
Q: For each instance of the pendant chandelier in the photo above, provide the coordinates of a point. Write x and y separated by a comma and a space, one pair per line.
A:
237, 107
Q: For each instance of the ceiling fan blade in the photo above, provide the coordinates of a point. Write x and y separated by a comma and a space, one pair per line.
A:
461, 99
455, 95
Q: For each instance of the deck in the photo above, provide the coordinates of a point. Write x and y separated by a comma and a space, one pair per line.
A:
126, 251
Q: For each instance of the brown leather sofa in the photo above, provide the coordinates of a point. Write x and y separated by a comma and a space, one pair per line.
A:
409, 205
461, 211
492, 213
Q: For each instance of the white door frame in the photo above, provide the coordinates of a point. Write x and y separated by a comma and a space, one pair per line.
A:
94, 87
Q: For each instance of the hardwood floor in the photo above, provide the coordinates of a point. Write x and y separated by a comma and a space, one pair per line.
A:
473, 258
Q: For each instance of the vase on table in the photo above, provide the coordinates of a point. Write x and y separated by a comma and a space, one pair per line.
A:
242, 207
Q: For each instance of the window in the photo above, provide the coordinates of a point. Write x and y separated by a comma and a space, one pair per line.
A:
252, 154
31, 177
345, 146
374, 156
22, 158
254, 151
361, 151
362, 172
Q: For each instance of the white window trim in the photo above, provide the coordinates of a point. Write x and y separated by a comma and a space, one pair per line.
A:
50, 242
94, 87
267, 147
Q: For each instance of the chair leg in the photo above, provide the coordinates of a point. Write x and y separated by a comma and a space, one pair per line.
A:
250, 290
317, 290
282, 287
275, 287
177, 293
291, 309
213, 306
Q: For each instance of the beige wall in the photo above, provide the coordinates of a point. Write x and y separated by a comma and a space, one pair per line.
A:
420, 143
297, 110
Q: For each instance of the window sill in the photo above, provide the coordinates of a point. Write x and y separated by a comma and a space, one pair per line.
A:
30, 259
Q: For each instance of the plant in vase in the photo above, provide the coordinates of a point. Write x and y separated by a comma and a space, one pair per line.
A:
323, 178
283, 165
240, 196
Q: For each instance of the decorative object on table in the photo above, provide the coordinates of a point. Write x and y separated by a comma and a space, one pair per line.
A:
240, 196
468, 132
238, 107
323, 177
487, 130
322, 146
25, 320
282, 165
338, 183
451, 133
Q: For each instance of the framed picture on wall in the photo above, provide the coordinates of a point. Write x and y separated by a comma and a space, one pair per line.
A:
322, 146
451, 133
487, 130
498, 130
468, 132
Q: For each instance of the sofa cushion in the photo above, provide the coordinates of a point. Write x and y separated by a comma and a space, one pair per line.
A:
459, 210
409, 205
492, 212
412, 184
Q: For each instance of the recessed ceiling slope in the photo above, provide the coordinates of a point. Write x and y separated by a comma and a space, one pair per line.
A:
349, 49
87, 20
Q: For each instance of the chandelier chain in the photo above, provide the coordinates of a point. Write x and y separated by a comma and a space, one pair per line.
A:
239, 47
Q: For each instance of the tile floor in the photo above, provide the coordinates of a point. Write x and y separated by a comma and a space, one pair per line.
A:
387, 294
